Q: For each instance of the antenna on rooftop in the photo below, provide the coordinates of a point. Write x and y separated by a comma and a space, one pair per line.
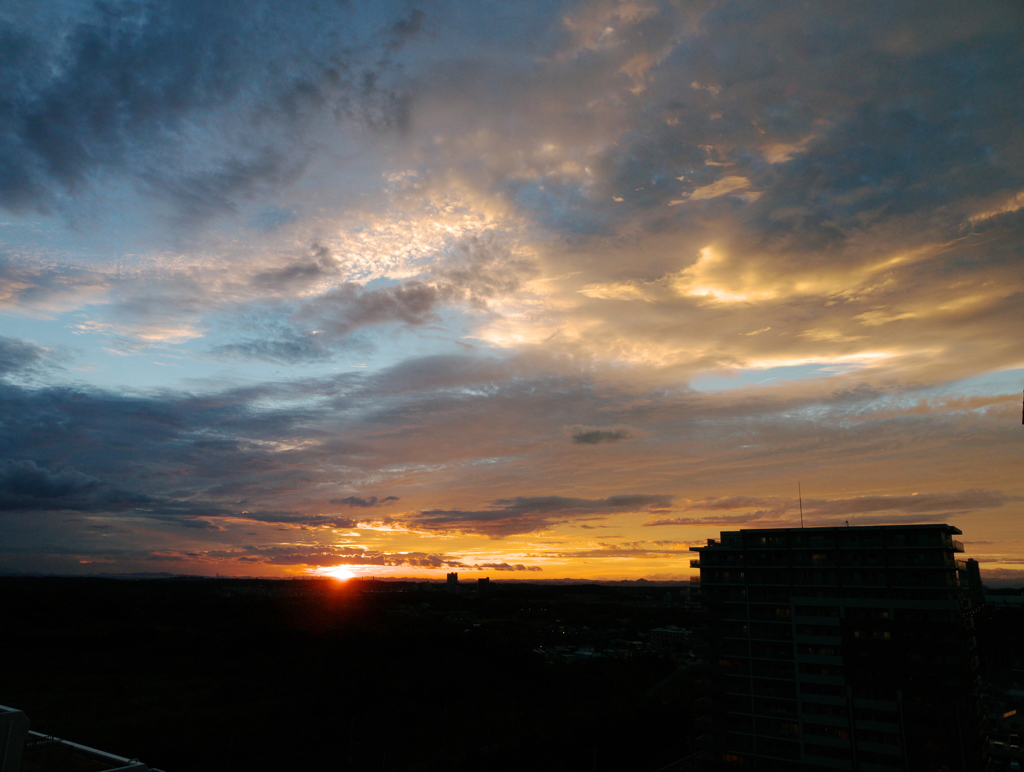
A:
800, 494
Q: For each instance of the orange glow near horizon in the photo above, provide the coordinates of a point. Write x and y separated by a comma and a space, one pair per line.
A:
341, 573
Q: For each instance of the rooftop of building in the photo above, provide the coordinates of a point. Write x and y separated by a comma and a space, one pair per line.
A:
843, 528
843, 537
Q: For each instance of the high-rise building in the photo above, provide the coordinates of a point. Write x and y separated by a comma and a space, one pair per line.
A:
840, 649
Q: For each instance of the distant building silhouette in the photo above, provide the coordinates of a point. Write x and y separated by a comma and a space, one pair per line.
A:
841, 649
975, 589
452, 584
670, 639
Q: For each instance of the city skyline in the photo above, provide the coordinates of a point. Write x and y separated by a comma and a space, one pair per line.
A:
533, 291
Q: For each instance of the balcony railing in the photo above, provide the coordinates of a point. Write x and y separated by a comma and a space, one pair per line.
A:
958, 546
695, 563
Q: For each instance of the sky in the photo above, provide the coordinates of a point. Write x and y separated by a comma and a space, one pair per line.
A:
531, 290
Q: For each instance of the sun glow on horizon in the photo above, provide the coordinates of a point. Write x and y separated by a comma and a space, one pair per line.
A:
341, 573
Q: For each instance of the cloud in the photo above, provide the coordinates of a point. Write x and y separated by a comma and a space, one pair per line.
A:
494, 237
505, 567
720, 187
295, 518
370, 501
331, 556
916, 507
593, 435
163, 93
35, 288
730, 520
528, 514
1002, 577
851, 179
734, 502
298, 555
348, 307
200, 524
673, 550
318, 265
469, 273
326, 324
292, 348
17, 355
865, 184
26, 486
917, 503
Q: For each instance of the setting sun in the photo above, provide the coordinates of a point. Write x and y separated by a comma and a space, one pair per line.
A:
341, 573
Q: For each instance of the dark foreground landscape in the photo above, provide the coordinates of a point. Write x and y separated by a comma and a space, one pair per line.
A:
226, 674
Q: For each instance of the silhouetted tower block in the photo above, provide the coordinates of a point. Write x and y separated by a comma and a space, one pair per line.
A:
972, 580
483, 585
840, 648
453, 579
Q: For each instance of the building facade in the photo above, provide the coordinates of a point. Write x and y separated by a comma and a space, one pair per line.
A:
840, 649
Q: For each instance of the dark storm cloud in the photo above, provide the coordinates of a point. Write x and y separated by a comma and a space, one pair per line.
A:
165, 90
593, 435
528, 514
